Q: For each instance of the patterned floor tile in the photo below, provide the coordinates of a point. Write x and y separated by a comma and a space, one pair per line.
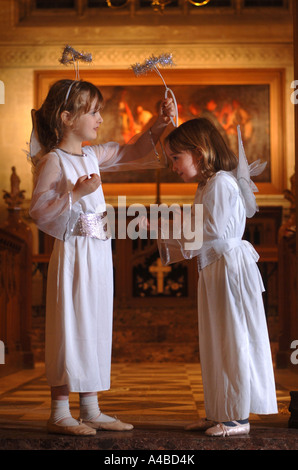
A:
141, 393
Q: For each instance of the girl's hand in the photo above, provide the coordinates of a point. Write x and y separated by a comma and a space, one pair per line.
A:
167, 110
85, 185
143, 223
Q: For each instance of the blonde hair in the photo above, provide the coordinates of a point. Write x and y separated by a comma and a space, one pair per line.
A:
208, 146
75, 97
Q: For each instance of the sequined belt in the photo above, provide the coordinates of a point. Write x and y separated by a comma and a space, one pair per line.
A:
92, 225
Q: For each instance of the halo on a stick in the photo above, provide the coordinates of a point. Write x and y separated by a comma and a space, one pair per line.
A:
151, 64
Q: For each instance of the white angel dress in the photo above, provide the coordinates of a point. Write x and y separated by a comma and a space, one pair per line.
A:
235, 354
79, 305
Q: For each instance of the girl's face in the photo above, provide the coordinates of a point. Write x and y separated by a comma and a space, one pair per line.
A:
86, 126
183, 163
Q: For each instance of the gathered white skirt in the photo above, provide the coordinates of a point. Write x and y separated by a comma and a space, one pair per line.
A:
79, 314
235, 352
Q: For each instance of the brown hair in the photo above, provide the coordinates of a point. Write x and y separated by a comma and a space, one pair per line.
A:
209, 148
48, 118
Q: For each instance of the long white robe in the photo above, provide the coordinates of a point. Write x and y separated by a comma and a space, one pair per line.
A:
79, 306
234, 346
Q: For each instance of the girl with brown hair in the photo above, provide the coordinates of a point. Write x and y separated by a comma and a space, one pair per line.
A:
68, 203
235, 353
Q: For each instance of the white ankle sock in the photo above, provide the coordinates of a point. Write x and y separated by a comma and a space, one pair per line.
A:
60, 411
90, 411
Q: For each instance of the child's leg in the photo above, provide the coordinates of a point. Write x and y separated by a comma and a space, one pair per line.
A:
234, 423
60, 393
91, 414
60, 413
89, 408
61, 421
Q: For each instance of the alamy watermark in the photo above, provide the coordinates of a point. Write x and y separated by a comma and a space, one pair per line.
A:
166, 222
2, 92
294, 355
2, 353
294, 95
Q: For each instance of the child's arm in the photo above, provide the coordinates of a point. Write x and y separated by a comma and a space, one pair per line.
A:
180, 236
208, 221
140, 152
146, 142
51, 205
220, 206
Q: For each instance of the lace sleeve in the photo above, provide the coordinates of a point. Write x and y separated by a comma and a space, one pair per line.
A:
51, 205
140, 153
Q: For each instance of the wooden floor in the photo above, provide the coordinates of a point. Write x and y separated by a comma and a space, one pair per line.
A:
158, 398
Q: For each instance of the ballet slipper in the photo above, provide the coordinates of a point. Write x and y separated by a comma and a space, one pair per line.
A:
200, 425
221, 430
116, 425
80, 430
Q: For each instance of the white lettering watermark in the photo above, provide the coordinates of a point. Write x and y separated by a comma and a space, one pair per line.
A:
2, 92
2, 353
294, 355
294, 95
165, 222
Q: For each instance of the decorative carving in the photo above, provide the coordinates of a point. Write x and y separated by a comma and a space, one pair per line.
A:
188, 54
15, 198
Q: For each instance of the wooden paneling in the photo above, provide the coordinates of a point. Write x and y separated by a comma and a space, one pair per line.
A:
15, 292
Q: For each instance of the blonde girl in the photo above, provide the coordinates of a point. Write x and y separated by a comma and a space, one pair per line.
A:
234, 346
68, 203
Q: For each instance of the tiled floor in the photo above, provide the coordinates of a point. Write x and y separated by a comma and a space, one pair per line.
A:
158, 398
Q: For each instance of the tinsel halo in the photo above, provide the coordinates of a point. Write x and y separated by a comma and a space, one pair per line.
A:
70, 55
150, 64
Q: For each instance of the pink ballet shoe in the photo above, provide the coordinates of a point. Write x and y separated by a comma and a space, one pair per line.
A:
221, 430
116, 425
80, 430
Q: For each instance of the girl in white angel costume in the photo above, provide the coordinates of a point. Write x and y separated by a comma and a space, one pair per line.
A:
68, 203
234, 346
